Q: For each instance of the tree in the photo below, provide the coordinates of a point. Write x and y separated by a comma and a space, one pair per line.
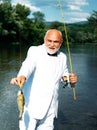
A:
5, 12
93, 18
12, 22
22, 11
6, 0
16, 27
38, 17
56, 25
39, 27
93, 25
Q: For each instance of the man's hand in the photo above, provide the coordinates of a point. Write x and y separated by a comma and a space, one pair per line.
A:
18, 81
72, 78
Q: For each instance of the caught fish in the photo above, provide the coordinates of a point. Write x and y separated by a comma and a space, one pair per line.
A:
20, 102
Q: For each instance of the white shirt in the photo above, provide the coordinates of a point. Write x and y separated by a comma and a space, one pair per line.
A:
43, 73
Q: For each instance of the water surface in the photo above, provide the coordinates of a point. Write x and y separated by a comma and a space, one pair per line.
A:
73, 115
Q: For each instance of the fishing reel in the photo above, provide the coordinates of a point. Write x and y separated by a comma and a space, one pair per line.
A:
65, 81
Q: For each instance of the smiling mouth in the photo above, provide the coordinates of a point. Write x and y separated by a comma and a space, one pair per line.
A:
51, 48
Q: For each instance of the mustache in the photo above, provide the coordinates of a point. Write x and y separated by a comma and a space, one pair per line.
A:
51, 47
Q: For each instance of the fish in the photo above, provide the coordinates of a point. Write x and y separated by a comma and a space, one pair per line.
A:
20, 103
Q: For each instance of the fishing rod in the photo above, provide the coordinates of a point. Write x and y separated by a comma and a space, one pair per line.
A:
68, 47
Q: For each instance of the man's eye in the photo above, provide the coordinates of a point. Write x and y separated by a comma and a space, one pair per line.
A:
49, 41
53, 41
56, 41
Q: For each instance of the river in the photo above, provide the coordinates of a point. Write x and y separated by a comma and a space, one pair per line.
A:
73, 115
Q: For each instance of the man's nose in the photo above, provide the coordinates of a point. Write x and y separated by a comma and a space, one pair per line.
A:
52, 43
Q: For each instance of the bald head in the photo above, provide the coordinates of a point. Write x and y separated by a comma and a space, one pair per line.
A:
54, 32
53, 40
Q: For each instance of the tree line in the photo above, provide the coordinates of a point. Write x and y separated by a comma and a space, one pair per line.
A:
19, 26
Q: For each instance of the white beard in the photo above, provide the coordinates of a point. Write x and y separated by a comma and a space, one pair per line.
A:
52, 51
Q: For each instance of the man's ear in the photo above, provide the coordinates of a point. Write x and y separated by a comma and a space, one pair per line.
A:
44, 39
61, 42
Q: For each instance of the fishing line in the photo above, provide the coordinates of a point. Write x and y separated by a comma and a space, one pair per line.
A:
68, 47
20, 59
20, 54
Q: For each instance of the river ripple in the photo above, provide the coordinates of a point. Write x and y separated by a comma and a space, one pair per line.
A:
73, 115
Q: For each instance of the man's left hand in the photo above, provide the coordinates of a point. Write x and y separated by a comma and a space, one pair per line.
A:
72, 78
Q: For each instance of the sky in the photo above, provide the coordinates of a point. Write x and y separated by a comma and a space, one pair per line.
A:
68, 11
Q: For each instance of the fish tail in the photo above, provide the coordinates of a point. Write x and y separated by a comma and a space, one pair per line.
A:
20, 115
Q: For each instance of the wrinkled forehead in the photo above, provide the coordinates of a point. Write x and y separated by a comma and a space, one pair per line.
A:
53, 35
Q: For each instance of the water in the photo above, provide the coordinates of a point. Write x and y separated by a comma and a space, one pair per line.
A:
73, 115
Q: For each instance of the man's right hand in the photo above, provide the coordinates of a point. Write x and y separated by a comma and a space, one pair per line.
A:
18, 81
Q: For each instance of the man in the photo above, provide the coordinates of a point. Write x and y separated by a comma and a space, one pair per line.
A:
41, 72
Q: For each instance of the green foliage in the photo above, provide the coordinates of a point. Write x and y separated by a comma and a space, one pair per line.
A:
22, 11
93, 25
18, 27
38, 17
56, 25
6, 0
93, 18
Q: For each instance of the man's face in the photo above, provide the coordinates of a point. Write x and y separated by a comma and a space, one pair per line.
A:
53, 42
